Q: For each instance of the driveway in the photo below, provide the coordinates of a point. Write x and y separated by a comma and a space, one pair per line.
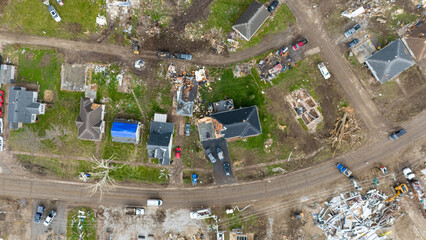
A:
59, 223
219, 172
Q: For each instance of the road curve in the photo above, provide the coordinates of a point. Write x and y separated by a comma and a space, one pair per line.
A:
315, 176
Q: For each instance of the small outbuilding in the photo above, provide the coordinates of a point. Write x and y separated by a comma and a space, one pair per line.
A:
126, 131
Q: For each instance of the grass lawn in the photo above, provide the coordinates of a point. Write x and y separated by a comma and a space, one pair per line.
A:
89, 224
283, 17
29, 16
70, 169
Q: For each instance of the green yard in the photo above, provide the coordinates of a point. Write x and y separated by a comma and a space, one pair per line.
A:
88, 224
29, 16
56, 132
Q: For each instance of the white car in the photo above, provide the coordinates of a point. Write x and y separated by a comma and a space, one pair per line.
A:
408, 174
324, 71
1, 144
1, 125
49, 218
54, 13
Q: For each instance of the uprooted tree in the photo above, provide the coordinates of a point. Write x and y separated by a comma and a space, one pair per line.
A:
101, 173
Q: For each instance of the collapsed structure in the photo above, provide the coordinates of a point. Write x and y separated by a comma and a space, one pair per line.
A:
353, 216
186, 95
305, 108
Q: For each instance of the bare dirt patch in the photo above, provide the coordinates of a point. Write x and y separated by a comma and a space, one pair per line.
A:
48, 96
197, 11
15, 218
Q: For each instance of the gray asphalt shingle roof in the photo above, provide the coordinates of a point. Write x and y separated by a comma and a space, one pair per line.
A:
390, 61
161, 133
7, 74
251, 20
22, 106
90, 121
243, 122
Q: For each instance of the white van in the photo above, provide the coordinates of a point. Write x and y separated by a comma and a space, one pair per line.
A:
324, 71
154, 202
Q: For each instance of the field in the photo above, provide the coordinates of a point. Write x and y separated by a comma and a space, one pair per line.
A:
277, 119
28, 16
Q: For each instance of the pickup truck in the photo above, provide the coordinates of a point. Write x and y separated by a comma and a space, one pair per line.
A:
344, 170
135, 211
352, 31
164, 54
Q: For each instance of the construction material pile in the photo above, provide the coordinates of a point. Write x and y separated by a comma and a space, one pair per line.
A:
352, 216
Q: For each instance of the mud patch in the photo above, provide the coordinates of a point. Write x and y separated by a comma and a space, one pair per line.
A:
199, 10
48, 96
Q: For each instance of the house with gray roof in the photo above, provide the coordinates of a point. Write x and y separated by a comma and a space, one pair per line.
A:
251, 20
160, 139
186, 95
390, 61
23, 107
90, 122
7, 74
233, 124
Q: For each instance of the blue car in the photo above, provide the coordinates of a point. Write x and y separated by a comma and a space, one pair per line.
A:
353, 43
273, 5
395, 135
39, 213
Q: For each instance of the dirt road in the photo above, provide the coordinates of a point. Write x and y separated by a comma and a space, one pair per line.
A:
307, 19
317, 177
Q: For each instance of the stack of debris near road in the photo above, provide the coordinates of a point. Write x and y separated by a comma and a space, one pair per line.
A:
353, 216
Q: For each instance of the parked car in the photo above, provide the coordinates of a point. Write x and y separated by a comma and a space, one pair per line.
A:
220, 153
154, 202
188, 129
1, 125
273, 5
1, 96
134, 210
1, 144
210, 155
300, 44
60, 2
227, 169
164, 54
408, 174
183, 56
140, 237
39, 213
324, 71
54, 13
397, 134
352, 31
353, 43
178, 150
49, 218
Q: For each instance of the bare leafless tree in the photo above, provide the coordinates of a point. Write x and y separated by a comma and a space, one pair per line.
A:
101, 173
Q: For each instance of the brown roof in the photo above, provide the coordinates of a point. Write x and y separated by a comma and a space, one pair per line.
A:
416, 41
90, 122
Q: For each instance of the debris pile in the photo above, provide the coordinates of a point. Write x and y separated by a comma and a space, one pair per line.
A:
367, 9
274, 64
345, 129
352, 216
243, 69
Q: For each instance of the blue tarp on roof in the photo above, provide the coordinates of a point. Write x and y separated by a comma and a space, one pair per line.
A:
126, 130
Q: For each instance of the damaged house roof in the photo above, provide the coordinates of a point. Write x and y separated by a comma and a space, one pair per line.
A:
251, 20
415, 41
186, 96
390, 61
243, 122
90, 122
7, 74
160, 141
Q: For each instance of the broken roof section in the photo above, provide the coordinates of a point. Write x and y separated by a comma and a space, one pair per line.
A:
390, 61
251, 20
239, 123
415, 41
186, 95
73, 77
